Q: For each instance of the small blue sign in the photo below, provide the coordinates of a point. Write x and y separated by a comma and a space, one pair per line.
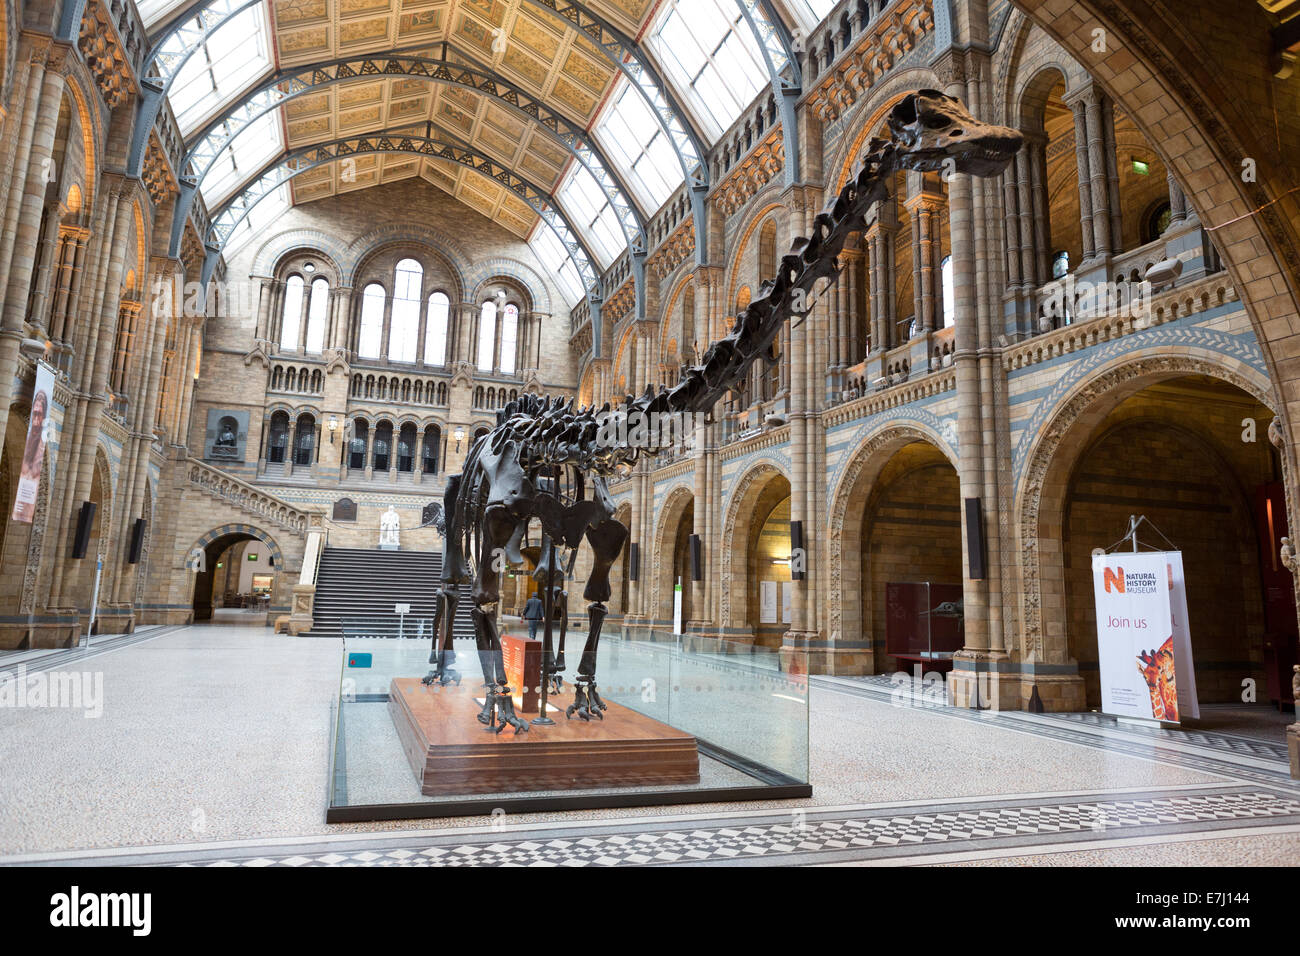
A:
358, 660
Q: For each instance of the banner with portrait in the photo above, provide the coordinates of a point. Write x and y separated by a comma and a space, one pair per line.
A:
1144, 650
39, 430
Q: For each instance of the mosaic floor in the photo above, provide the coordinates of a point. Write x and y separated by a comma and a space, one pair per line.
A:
213, 750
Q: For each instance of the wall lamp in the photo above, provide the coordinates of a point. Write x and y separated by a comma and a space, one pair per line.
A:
459, 435
333, 426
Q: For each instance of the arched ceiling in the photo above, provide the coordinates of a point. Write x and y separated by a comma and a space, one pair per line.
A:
244, 80
557, 66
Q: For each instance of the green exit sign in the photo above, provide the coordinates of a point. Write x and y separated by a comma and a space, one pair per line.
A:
1141, 168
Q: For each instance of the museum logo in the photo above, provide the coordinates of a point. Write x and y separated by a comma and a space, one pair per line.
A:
75, 909
67, 690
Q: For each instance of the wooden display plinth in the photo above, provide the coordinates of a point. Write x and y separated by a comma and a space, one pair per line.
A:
452, 753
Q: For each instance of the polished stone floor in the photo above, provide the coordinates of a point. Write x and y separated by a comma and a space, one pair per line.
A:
213, 748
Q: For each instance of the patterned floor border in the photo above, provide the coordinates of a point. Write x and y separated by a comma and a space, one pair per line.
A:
883, 833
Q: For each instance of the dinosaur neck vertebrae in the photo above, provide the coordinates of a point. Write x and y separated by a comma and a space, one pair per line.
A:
546, 462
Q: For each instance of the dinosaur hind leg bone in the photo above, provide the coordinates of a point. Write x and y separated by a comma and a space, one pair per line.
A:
606, 540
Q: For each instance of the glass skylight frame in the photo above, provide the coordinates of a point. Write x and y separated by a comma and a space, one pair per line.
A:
557, 262
242, 156
221, 66
650, 167
590, 210
718, 58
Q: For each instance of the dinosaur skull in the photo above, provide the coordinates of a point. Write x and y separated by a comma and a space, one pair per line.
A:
930, 128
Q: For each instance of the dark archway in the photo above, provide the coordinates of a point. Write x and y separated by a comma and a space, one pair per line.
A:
212, 552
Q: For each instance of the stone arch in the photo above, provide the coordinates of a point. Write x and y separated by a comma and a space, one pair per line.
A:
756, 220
874, 108
1183, 99
744, 495
1050, 461
356, 277
865, 462
210, 546
504, 268
366, 246
668, 318
674, 506
74, 86
274, 250
281, 264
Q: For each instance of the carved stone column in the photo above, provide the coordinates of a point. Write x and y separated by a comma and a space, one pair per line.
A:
1079, 106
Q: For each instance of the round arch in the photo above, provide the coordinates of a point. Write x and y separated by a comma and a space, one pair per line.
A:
202, 558
733, 267
865, 463
671, 512
744, 497
1184, 99
1059, 446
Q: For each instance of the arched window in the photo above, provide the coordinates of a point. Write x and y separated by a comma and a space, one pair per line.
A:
767, 250
435, 338
404, 333
317, 310
487, 335
945, 273
372, 321
357, 446
432, 445
406, 448
509, 337
277, 439
380, 450
304, 443
291, 317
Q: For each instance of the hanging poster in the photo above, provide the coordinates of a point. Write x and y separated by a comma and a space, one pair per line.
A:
38, 432
1137, 649
787, 593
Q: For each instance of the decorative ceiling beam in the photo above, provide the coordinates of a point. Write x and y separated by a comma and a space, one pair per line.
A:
626, 54
179, 41
783, 71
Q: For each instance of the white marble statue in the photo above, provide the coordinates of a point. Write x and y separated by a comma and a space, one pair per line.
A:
390, 526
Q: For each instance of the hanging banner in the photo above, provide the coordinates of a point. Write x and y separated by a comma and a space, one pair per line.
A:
38, 430
1145, 659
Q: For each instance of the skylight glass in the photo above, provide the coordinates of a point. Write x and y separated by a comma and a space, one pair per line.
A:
813, 12
228, 61
555, 260
262, 215
709, 52
156, 11
638, 147
257, 143
586, 205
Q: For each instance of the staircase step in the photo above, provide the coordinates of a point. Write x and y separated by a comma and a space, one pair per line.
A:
361, 585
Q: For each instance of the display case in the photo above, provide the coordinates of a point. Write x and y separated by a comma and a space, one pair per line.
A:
924, 622
687, 722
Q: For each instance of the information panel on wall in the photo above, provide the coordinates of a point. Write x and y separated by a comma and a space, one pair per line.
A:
1144, 648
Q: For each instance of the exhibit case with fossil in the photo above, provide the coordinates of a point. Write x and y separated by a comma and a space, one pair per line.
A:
687, 719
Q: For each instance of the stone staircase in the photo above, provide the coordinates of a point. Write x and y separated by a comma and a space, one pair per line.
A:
358, 587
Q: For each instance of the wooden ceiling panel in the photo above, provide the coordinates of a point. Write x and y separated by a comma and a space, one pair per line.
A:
558, 66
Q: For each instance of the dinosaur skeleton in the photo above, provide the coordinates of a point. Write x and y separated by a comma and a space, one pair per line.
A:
548, 462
